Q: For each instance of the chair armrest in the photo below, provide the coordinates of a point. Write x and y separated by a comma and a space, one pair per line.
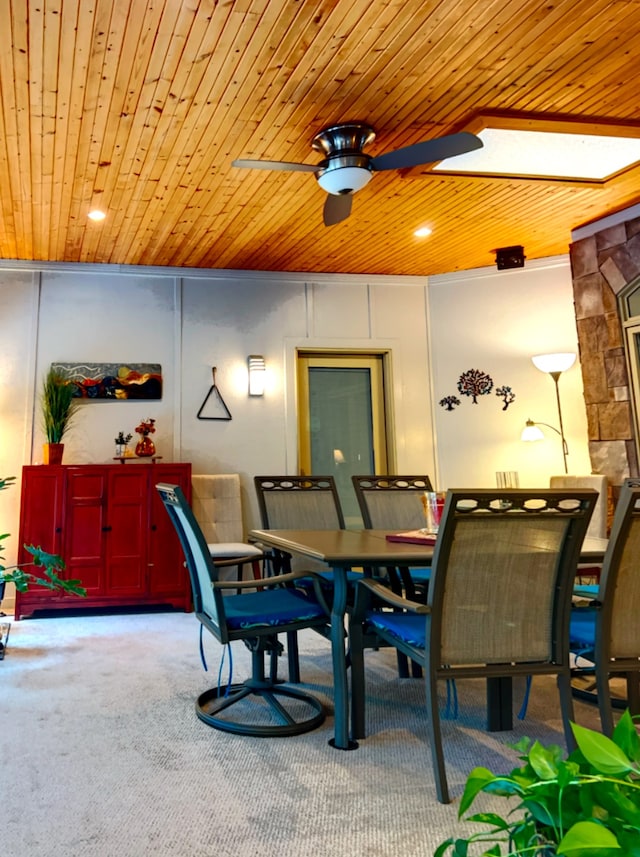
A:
385, 594
237, 560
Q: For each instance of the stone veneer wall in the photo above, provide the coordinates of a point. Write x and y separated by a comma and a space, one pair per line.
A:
602, 266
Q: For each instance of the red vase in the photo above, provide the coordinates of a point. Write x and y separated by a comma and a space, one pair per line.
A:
145, 447
52, 453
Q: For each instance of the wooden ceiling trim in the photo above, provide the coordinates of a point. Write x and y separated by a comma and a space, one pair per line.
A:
197, 203
180, 201
452, 68
168, 105
15, 93
65, 125
159, 92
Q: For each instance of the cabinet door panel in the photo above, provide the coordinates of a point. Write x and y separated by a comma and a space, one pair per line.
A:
127, 531
167, 574
41, 511
84, 524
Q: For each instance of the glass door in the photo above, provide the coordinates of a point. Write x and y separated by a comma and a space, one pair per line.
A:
341, 415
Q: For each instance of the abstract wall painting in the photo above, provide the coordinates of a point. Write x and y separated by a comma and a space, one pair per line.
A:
123, 381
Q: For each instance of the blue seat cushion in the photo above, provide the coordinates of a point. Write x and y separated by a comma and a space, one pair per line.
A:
409, 627
420, 575
270, 608
582, 629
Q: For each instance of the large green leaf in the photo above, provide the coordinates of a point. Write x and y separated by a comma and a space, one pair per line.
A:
481, 779
626, 737
587, 837
601, 752
543, 761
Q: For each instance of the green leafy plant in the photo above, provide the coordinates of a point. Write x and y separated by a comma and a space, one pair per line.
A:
48, 566
587, 805
58, 406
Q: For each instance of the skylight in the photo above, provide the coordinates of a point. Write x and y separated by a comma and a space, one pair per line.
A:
547, 154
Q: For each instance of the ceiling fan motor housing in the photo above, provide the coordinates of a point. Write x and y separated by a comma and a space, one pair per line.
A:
345, 168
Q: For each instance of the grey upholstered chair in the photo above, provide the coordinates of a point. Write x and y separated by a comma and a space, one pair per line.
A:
498, 605
217, 507
598, 524
606, 632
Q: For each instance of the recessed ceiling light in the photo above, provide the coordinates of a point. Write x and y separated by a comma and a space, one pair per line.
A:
422, 232
546, 149
96, 215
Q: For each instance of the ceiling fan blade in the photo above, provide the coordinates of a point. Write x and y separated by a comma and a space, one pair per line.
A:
275, 165
337, 208
427, 152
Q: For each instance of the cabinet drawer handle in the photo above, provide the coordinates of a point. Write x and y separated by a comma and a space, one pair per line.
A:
154, 527
106, 529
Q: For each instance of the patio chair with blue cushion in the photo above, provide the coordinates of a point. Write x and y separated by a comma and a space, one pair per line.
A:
395, 504
300, 503
498, 604
259, 706
605, 632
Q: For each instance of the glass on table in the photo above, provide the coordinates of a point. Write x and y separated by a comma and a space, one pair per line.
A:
507, 479
433, 504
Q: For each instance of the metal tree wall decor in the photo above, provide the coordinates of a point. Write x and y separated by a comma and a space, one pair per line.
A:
507, 395
475, 383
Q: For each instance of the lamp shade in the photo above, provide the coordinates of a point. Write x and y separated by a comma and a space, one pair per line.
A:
342, 180
558, 362
531, 432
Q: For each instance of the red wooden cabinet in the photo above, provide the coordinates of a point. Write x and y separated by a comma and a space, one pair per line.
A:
110, 527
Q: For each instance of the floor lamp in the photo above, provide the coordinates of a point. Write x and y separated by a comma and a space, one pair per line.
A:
554, 365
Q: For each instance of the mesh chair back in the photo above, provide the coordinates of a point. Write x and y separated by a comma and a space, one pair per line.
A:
620, 581
207, 602
299, 503
502, 575
391, 502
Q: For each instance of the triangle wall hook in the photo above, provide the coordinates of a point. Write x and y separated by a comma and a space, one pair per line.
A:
217, 400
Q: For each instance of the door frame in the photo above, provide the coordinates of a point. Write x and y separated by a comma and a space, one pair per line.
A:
293, 345
377, 360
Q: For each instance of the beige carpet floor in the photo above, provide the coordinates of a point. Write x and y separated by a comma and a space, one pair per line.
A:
102, 754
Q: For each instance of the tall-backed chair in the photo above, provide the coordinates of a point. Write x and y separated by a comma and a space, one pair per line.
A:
607, 631
217, 507
598, 524
498, 605
395, 503
299, 503
256, 617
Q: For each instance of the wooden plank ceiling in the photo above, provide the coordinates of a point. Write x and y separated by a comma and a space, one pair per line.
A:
138, 107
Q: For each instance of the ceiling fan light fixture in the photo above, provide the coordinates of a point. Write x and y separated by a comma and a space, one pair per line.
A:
341, 180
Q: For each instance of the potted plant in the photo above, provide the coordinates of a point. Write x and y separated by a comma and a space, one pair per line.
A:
58, 409
587, 805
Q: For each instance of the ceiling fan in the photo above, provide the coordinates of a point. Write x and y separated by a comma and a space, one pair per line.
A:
346, 168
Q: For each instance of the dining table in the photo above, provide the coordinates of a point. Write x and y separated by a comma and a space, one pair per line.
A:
342, 550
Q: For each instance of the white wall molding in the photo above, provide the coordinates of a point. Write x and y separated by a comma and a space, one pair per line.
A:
223, 274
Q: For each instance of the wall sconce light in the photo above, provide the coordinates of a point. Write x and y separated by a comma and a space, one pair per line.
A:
257, 371
554, 365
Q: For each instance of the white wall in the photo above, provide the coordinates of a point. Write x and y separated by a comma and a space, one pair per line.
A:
190, 321
495, 321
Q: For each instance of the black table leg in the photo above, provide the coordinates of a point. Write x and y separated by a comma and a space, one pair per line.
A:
499, 704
